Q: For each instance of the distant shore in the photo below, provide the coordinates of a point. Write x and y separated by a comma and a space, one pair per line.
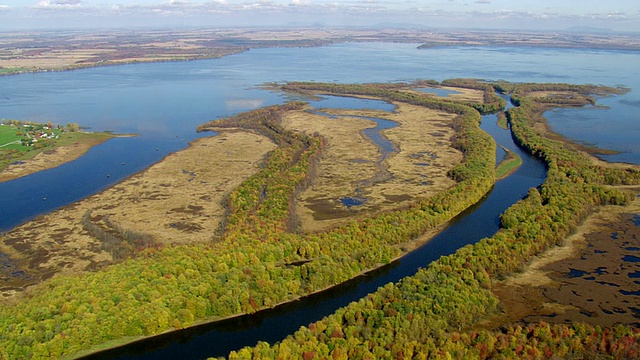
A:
64, 51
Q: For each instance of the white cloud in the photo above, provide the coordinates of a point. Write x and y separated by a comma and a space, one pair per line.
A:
59, 4
437, 13
179, 2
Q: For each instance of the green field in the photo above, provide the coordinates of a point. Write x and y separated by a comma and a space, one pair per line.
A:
9, 136
4, 71
508, 165
15, 135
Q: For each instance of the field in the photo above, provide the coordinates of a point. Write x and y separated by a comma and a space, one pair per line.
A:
26, 148
178, 201
11, 138
351, 164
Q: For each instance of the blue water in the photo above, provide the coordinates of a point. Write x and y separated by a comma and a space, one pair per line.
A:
219, 338
439, 92
374, 134
164, 102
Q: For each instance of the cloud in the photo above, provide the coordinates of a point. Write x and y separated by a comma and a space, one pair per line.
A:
440, 13
179, 2
59, 4
300, 2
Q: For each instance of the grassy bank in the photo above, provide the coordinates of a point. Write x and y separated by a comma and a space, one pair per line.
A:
508, 165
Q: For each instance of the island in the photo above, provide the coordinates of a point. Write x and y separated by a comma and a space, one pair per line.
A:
287, 201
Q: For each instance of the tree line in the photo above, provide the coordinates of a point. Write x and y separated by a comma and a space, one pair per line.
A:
255, 263
426, 315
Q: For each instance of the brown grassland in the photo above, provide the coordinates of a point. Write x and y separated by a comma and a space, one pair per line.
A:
579, 281
180, 200
176, 201
353, 167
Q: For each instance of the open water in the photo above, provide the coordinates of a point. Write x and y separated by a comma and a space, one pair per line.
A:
164, 102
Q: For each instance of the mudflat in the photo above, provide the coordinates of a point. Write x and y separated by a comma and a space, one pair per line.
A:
592, 278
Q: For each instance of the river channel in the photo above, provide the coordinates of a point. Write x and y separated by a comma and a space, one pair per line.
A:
374, 134
218, 339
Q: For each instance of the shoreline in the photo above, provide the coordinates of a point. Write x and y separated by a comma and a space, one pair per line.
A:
56, 156
408, 247
121, 63
167, 45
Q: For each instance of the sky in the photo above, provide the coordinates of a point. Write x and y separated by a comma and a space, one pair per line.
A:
617, 15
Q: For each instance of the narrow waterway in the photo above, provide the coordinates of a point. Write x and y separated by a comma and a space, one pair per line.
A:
375, 136
218, 339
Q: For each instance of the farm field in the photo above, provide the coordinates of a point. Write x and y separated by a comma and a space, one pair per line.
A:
29, 147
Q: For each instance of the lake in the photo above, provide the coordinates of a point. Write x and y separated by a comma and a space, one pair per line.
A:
164, 102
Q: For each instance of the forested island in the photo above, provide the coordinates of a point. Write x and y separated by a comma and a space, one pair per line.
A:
226, 249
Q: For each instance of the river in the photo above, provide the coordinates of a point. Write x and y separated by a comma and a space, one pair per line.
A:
218, 339
164, 103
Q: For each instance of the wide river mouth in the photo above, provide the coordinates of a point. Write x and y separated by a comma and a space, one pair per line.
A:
272, 325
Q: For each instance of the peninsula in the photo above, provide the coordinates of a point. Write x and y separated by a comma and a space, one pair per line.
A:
29, 147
